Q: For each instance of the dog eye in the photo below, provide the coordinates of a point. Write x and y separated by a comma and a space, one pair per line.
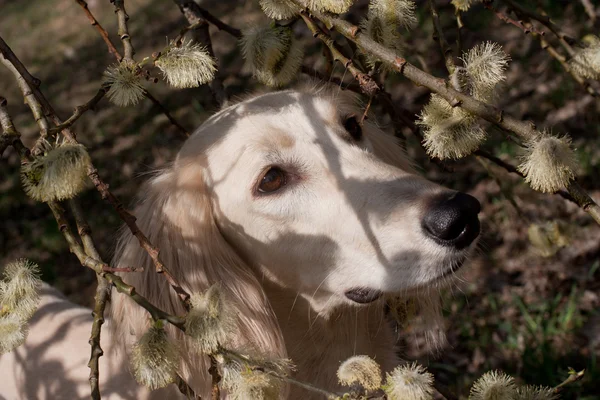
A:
353, 127
273, 180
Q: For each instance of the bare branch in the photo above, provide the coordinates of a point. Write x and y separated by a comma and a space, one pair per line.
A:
167, 113
129, 220
565, 40
94, 22
446, 49
80, 110
199, 28
123, 32
366, 82
525, 130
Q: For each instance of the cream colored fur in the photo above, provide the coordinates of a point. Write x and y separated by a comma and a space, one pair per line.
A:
348, 218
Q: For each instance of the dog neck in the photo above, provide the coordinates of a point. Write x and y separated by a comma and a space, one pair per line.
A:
317, 342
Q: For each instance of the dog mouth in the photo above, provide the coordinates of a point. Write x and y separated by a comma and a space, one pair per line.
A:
454, 267
363, 295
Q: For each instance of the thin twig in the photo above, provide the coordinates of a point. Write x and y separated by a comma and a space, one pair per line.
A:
546, 46
509, 20
563, 62
446, 49
30, 99
127, 217
366, 82
202, 13
162, 108
565, 40
10, 136
94, 22
80, 110
122, 20
201, 34
574, 376
215, 392
590, 9
525, 130
123, 32
129, 220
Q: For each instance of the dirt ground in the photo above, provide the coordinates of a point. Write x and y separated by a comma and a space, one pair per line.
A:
530, 314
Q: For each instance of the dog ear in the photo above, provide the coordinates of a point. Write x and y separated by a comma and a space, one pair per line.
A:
175, 213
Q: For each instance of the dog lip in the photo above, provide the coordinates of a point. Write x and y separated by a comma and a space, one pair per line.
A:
363, 295
455, 267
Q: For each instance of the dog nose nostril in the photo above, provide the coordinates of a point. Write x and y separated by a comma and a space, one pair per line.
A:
452, 220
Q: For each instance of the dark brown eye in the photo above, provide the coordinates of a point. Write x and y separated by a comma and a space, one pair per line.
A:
273, 180
353, 127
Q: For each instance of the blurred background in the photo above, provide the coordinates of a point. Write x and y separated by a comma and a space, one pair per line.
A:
529, 305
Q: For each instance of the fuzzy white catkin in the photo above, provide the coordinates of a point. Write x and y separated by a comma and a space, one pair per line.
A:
58, 175
409, 382
485, 65
155, 359
273, 54
449, 132
586, 61
362, 370
279, 9
493, 385
210, 321
187, 65
383, 22
399, 13
453, 132
549, 163
464, 5
13, 332
19, 290
333, 6
125, 83
529, 392
243, 379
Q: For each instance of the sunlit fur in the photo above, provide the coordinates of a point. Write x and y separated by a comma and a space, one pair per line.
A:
348, 218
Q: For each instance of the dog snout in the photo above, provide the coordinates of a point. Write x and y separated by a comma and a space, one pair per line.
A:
451, 219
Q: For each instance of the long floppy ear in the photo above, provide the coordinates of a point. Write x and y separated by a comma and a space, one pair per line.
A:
175, 213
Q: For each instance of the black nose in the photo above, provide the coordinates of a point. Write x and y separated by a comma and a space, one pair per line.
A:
452, 219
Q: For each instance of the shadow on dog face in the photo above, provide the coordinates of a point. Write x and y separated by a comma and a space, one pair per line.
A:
323, 204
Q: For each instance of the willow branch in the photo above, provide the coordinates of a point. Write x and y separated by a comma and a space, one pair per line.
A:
546, 46
129, 220
201, 34
102, 187
200, 12
509, 20
163, 109
565, 40
563, 62
242, 359
30, 99
525, 130
100, 299
97, 265
80, 110
446, 49
10, 135
366, 82
94, 22
123, 32
573, 377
